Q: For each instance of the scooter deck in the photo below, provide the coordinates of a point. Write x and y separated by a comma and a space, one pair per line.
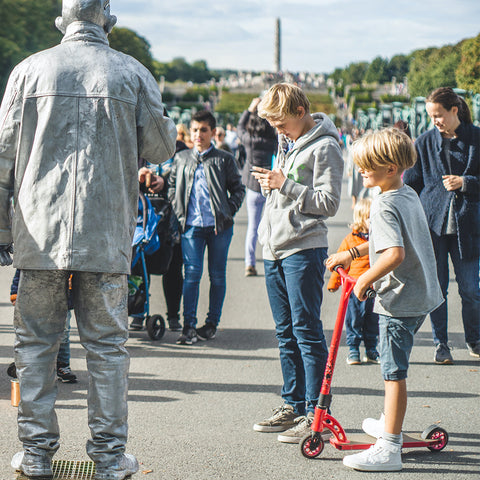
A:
362, 441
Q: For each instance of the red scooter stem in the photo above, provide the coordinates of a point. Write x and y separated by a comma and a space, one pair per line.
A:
321, 417
348, 283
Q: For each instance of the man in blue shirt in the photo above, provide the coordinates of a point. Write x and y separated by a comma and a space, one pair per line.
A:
206, 191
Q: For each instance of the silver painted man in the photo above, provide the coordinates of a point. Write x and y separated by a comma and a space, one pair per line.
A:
73, 122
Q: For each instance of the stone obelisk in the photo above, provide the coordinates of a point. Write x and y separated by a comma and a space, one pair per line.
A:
278, 47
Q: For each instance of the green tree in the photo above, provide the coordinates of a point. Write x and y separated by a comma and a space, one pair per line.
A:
355, 73
377, 71
432, 68
129, 42
398, 67
28, 27
468, 70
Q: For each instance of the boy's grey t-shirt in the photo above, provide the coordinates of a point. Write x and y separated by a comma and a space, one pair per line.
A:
397, 219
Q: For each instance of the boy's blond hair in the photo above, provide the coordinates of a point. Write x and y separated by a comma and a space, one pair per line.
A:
385, 147
282, 100
361, 213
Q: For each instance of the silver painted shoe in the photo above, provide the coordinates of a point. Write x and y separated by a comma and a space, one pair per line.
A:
34, 467
128, 465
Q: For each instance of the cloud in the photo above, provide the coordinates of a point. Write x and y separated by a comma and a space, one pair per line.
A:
317, 35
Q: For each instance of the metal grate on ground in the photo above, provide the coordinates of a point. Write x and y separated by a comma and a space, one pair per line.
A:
69, 470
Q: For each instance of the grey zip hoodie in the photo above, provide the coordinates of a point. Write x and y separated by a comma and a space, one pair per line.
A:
294, 217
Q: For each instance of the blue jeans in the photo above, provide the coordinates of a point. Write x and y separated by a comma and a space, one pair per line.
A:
194, 241
361, 323
395, 345
294, 286
255, 202
467, 277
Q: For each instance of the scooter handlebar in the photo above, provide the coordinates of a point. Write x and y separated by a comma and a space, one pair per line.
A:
369, 293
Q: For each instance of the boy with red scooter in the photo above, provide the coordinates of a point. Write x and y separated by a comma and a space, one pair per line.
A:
403, 273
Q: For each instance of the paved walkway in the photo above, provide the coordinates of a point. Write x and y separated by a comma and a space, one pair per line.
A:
192, 408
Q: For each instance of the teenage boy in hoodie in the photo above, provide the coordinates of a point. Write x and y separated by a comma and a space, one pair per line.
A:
302, 191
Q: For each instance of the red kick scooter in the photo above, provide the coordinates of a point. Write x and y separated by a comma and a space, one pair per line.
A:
433, 438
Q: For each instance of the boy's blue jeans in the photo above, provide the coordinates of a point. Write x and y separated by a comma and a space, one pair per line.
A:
395, 344
194, 242
361, 323
467, 277
294, 286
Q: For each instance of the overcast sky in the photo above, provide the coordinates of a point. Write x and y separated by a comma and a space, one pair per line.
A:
317, 35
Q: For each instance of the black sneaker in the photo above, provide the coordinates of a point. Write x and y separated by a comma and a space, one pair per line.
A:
174, 325
207, 332
65, 375
442, 355
137, 323
474, 349
12, 370
188, 336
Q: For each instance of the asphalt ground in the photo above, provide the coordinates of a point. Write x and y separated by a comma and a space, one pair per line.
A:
192, 408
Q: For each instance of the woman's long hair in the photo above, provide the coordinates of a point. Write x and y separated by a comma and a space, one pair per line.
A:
447, 98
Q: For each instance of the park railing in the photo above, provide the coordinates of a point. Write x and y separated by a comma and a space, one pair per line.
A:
415, 114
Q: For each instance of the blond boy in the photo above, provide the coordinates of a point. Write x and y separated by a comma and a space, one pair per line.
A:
403, 273
302, 190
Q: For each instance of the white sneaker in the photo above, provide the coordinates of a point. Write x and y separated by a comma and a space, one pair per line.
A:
382, 457
374, 427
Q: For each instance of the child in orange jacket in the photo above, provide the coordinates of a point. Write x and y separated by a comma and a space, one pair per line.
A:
360, 321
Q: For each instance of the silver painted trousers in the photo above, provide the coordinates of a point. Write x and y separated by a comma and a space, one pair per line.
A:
100, 303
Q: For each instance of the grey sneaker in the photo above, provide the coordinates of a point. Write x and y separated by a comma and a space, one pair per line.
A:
443, 355
302, 428
188, 336
371, 356
207, 332
33, 466
354, 356
282, 419
127, 465
474, 349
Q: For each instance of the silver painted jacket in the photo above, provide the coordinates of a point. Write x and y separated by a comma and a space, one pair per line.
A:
73, 122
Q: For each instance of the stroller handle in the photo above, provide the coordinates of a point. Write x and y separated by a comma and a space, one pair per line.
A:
369, 293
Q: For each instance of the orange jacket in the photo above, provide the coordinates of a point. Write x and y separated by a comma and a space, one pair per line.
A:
357, 267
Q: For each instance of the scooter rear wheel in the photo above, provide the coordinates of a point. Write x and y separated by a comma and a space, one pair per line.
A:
312, 445
155, 327
436, 433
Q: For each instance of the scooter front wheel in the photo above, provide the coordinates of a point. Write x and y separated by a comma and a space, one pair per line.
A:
436, 433
312, 445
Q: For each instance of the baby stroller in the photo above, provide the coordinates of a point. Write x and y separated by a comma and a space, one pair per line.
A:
151, 255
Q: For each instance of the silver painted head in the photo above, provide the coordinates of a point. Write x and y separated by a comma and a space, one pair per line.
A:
94, 11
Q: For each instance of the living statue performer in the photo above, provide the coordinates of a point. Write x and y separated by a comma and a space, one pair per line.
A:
73, 122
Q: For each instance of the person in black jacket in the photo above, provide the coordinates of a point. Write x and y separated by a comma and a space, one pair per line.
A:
260, 142
206, 191
447, 179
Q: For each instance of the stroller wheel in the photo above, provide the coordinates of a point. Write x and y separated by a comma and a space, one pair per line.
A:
155, 327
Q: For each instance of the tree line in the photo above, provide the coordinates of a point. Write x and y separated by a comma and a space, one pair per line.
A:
425, 69
29, 27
